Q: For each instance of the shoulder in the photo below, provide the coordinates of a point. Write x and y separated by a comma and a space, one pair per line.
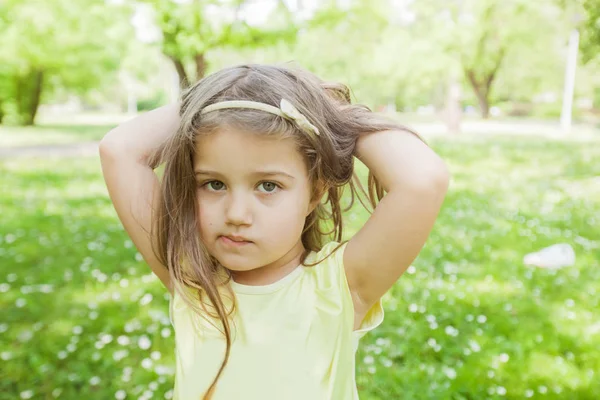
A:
327, 264
330, 272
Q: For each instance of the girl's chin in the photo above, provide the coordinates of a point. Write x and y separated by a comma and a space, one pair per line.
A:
237, 265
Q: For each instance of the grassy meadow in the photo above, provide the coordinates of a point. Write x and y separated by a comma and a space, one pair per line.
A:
83, 317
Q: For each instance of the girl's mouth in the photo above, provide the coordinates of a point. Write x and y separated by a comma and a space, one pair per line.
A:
233, 241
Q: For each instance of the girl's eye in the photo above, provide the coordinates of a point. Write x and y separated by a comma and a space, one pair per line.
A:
215, 185
269, 187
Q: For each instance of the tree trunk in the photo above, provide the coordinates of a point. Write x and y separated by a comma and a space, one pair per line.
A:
482, 91
27, 95
36, 95
483, 87
200, 66
183, 78
453, 107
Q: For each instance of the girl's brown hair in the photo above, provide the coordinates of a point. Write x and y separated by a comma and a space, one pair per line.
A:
329, 158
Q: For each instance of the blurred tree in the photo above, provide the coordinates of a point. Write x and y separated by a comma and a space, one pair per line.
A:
482, 34
54, 44
590, 30
369, 46
190, 28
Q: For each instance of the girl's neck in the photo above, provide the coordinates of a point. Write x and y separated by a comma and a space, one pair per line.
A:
273, 272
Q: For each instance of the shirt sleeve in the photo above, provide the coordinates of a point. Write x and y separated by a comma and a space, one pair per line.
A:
375, 315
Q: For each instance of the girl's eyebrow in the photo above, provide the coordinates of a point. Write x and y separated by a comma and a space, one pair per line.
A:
253, 174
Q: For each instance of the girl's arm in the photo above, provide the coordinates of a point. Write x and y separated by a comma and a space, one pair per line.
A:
416, 181
127, 155
143, 136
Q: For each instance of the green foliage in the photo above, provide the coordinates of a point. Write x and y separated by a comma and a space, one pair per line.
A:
65, 44
192, 28
149, 103
590, 32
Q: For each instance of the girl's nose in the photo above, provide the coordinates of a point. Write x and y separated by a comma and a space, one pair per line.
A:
238, 210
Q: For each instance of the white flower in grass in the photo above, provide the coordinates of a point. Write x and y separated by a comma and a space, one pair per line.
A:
501, 390
451, 331
106, 338
94, 380
120, 395
144, 342
169, 394
77, 330
529, 393
25, 336
120, 354
147, 363
26, 394
481, 319
146, 299
123, 340
56, 392
450, 372
504, 357
165, 332
542, 389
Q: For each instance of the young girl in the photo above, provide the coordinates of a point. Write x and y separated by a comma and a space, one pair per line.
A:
266, 304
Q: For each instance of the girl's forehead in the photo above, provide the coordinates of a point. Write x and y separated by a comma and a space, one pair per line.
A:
235, 150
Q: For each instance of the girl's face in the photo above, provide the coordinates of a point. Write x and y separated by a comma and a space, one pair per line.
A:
253, 198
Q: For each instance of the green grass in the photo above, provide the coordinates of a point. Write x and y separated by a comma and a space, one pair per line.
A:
83, 317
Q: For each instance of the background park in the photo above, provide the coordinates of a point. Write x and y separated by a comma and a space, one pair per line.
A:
507, 92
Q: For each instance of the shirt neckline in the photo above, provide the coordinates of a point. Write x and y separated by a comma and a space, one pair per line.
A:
264, 289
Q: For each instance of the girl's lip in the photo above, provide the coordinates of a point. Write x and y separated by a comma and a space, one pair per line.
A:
234, 241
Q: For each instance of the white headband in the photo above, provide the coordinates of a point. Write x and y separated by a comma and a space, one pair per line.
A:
285, 110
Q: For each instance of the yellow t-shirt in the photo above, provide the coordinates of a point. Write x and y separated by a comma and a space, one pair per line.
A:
293, 339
